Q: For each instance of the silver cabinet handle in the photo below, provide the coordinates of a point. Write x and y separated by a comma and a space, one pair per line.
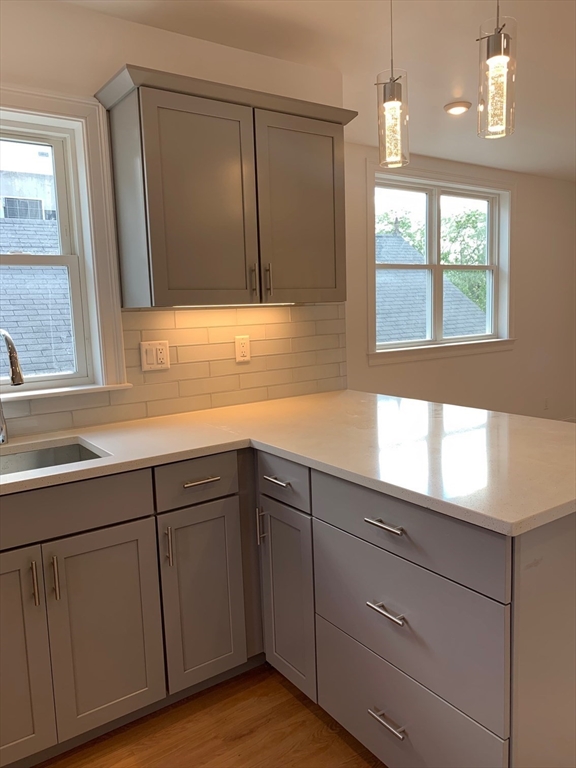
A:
259, 534
254, 278
398, 732
269, 285
205, 481
379, 608
276, 481
56, 577
35, 590
379, 524
170, 553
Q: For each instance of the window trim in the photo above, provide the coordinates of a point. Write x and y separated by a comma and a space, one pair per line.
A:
93, 200
499, 250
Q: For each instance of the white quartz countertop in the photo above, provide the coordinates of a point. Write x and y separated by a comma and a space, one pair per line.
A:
503, 472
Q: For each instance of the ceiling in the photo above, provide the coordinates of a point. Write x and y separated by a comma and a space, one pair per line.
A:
434, 41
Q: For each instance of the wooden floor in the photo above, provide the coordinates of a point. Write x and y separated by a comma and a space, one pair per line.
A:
257, 720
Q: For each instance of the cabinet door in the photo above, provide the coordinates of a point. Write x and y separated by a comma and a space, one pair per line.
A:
285, 537
202, 591
105, 625
27, 722
200, 187
300, 166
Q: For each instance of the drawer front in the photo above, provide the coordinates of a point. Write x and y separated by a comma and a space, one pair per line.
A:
191, 482
352, 680
452, 640
284, 480
473, 556
75, 507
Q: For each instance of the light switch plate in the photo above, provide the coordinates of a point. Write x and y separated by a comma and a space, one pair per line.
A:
154, 355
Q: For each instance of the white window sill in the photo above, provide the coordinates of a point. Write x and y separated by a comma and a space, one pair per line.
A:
433, 351
10, 394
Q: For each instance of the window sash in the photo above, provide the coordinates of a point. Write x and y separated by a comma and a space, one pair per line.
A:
434, 308
71, 256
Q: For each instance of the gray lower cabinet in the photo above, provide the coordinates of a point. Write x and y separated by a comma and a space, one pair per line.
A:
105, 625
202, 590
285, 538
300, 177
399, 720
27, 721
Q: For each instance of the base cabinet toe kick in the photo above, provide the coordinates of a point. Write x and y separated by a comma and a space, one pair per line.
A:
434, 642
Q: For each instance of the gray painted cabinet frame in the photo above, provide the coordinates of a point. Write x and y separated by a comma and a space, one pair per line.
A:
27, 720
105, 625
202, 590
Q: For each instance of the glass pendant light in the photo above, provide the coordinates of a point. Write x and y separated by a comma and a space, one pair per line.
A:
496, 99
392, 89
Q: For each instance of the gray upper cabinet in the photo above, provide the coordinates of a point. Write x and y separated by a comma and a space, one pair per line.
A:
27, 722
105, 625
301, 208
186, 179
202, 590
198, 200
285, 538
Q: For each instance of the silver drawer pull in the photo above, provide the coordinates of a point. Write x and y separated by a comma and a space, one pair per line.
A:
276, 481
398, 732
35, 590
170, 553
379, 608
195, 483
379, 524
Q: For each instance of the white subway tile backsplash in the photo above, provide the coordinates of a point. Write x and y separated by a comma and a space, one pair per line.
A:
140, 321
179, 405
88, 417
178, 337
209, 385
296, 350
221, 399
219, 335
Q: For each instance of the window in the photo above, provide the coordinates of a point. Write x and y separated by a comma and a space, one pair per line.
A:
41, 302
437, 264
59, 293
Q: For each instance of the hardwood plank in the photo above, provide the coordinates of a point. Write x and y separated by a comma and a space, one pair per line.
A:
257, 720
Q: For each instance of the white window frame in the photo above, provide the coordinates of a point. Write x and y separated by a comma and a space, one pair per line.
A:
497, 266
79, 130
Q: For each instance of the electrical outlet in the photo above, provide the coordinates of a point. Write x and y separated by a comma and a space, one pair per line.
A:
154, 355
242, 348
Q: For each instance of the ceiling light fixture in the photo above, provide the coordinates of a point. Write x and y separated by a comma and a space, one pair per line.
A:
457, 107
496, 98
392, 89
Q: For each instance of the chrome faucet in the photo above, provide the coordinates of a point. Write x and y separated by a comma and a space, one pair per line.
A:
16, 378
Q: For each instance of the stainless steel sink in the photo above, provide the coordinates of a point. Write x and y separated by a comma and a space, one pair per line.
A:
13, 460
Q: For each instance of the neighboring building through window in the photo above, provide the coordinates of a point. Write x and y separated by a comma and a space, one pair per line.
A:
437, 265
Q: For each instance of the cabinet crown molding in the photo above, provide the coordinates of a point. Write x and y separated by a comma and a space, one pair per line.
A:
131, 77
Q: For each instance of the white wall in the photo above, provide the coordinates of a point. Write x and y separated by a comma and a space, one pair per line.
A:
542, 363
54, 46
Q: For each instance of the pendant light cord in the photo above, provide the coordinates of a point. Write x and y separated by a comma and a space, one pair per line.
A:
392, 43
497, 14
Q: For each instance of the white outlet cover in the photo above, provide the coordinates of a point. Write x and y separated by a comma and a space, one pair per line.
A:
242, 345
154, 355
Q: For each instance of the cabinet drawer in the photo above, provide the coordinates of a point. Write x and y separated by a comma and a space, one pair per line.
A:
48, 513
284, 480
473, 556
190, 482
452, 640
352, 680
